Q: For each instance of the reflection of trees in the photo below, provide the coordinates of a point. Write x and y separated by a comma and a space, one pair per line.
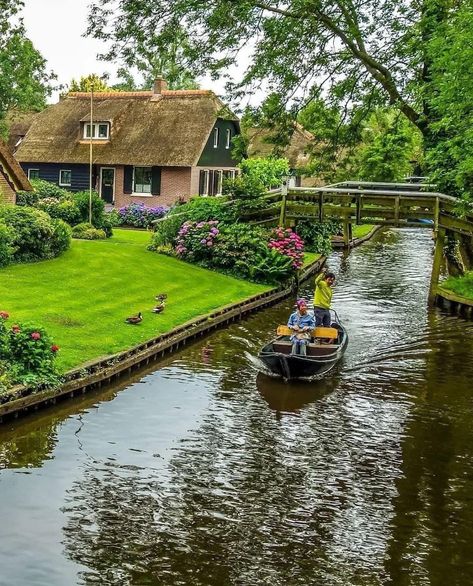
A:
28, 446
433, 523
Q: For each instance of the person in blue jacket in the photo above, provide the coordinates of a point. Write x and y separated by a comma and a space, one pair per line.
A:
301, 323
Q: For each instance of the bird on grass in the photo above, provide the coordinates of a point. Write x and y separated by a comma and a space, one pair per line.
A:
161, 297
159, 308
134, 319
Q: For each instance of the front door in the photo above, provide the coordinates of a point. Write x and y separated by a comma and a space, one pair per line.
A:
107, 184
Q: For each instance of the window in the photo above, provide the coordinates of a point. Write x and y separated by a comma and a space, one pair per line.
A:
204, 183
228, 138
216, 137
100, 130
33, 173
142, 180
65, 178
219, 175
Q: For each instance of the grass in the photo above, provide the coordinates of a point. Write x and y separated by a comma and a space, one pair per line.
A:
83, 297
462, 286
362, 230
310, 257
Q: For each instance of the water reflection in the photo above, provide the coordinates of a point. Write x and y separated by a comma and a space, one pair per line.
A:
206, 472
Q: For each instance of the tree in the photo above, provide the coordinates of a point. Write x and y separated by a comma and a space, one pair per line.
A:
25, 81
354, 50
91, 82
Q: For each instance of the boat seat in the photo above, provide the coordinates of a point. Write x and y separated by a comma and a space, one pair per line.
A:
319, 332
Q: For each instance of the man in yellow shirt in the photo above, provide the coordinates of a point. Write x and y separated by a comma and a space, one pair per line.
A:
323, 298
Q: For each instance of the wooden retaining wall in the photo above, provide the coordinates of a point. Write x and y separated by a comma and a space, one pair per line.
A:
354, 242
96, 374
454, 303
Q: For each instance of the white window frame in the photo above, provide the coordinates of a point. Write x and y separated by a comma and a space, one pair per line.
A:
206, 183
216, 137
228, 138
95, 131
61, 183
219, 183
29, 173
142, 193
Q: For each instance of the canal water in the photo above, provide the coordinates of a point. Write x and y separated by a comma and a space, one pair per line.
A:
206, 472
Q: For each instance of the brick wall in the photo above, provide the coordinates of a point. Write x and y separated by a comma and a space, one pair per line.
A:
7, 194
175, 182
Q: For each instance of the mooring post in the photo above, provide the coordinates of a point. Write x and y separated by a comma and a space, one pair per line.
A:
437, 264
346, 234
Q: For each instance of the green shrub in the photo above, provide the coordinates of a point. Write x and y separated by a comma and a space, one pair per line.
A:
47, 189
98, 207
62, 234
6, 244
114, 218
63, 209
27, 353
35, 235
26, 198
246, 194
317, 236
86, 231
267, 171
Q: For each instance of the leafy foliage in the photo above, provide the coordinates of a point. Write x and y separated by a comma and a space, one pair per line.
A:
35, 236
25, 82
27, 353
317, 235
91, 82
86, 231
268, 171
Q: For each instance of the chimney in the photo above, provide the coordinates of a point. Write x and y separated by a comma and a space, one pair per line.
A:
160, 84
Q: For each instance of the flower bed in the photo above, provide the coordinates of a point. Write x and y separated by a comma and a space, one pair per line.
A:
139, 215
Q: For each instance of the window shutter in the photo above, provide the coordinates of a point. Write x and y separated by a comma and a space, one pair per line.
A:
128, 179
155, 180
216, 177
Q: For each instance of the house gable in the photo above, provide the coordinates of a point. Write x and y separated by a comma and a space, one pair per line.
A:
217, 151
12, 177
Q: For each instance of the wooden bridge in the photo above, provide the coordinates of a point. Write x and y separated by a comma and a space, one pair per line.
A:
398, 205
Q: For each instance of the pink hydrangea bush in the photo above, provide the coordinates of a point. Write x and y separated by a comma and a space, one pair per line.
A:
195, 240
288, 243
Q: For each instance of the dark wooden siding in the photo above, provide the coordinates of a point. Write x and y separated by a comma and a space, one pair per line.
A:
220, 156
50, 172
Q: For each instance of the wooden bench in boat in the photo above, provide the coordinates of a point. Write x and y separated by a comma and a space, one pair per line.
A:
319, 332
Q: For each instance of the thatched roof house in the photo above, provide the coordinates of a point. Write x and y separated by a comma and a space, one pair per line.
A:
12, 176
157, 145
296, 151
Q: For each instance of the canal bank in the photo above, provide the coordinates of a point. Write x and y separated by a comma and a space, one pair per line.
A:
92, 375
205, 472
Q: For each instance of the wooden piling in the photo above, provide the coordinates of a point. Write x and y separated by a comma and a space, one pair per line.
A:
437, 264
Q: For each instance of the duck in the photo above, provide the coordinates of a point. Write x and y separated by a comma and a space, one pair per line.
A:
134, 319
159, 308
161, 296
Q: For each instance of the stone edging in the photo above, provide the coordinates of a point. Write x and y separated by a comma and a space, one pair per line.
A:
357, 241
454, 303
94, 374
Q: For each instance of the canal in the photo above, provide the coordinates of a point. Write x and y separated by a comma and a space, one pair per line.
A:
205, 472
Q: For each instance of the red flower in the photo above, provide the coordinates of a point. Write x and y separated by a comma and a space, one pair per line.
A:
16, 329
36, 336
54, 348
4, 315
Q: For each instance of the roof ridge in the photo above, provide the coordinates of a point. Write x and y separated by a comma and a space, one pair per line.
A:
141, 94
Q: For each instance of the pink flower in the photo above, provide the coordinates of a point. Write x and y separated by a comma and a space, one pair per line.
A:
4, 315
16, 329
54, 348
36, 336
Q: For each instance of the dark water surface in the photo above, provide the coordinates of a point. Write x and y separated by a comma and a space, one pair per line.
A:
205, 472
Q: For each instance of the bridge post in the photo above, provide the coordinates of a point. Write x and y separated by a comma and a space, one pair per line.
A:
282, 214
437, 264
347, 233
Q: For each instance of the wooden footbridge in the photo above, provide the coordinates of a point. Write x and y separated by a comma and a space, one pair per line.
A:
397, 205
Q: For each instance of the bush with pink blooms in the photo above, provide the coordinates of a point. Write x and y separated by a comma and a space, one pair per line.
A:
28, 353
289, 244
195, 240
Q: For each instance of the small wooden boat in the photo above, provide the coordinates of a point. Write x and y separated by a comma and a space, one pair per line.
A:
325, 349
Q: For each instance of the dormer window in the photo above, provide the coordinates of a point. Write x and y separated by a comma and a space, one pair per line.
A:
216, 137
99, 130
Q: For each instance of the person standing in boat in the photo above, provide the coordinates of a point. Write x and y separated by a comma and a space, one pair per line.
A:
323, 298
301, 323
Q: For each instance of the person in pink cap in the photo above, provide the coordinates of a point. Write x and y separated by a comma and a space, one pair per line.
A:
301, 323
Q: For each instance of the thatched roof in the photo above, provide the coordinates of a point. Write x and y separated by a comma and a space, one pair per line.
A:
260, 145
166, 129
18, 124
11, 168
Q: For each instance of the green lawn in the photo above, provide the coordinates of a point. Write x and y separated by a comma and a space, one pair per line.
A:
83, 297
460, 285
310, 257
363, 230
